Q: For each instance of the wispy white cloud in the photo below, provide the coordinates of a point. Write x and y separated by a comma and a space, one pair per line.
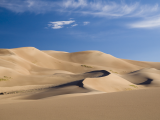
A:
59, 24
100, 8
86, 23
36, 6
74, 4
146, 11
149, 23
74, 25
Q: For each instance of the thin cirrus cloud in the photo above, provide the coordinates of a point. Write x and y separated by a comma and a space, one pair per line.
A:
20, 6
150, 23
74, 25
100, 8
86, 23
59, 24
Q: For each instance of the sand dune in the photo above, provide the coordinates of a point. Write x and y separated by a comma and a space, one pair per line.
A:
147, 77
84, 81
110, 83
95, 58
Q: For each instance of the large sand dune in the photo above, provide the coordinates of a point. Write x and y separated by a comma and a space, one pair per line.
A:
81, 86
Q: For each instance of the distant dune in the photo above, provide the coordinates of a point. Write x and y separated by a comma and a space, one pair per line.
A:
32, 78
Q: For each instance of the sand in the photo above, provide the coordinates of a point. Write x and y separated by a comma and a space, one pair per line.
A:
86, 85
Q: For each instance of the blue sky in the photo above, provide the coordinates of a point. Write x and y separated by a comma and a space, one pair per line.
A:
128, 29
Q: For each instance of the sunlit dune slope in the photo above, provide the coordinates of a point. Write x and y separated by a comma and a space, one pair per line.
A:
95, 58
110, 83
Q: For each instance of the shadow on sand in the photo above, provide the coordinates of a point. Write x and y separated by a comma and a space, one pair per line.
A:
147, 82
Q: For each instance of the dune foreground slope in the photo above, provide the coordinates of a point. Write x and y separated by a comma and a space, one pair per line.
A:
86, 85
